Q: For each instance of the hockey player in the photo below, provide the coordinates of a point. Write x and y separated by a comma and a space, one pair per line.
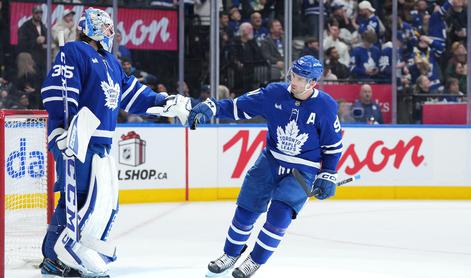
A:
304, 133
93, 81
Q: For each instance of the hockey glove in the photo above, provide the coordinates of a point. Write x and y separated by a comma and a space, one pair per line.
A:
325, 184
61, 142
202, 113
175, 106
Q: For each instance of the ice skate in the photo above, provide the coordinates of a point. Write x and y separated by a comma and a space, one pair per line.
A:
56, 268
222, 265
246, 269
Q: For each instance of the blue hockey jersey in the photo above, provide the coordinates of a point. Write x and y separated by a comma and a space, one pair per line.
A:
430, 54
363, 59
93, 79
301, 134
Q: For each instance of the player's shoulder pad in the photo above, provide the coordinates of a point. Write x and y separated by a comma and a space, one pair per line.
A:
328, 101
72, 49
73, 45
276, 87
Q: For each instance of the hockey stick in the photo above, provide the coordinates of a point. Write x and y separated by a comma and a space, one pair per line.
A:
300, 179
70, 177
196, 122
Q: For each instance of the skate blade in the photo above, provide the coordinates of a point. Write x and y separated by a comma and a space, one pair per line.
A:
55, 276
222, 274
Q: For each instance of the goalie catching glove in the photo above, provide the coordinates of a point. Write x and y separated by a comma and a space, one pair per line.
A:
175, 106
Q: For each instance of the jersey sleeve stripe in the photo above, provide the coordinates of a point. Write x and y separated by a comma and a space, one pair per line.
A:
236, 111
60, 88
333, 151
133, 84
133, 99
103, 133
49, 99
332, 146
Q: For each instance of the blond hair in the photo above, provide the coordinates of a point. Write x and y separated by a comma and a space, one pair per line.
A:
25, 64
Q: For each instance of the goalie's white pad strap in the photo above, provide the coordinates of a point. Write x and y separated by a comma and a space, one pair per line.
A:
96, 219
81, 128
103, 247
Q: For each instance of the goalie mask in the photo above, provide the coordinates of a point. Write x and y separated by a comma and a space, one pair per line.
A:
98, 26
302, 72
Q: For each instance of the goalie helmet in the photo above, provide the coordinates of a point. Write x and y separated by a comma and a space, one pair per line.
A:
98, 26
308, 67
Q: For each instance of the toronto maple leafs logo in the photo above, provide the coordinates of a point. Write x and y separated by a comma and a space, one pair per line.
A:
111, 91
289, 140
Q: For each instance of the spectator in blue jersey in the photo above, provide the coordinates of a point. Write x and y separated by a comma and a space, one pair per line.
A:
367, 20
365, 109
304, 133
424, 60
407, 37
385, 63
418, 14
235, 19
123, 51
364, 60
130, 70
260, 32
311, 15
273, 49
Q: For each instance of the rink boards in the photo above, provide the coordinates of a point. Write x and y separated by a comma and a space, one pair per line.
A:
169, 163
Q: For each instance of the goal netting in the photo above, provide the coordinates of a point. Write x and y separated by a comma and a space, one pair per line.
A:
25, 192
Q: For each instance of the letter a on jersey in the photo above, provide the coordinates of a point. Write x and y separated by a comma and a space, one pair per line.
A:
311, 119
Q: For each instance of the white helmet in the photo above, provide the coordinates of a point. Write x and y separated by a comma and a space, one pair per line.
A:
98, 26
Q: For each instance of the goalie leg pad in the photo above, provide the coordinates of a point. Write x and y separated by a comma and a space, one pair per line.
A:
57, 225
93, 252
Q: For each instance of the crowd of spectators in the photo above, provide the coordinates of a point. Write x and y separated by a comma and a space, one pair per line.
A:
357, 47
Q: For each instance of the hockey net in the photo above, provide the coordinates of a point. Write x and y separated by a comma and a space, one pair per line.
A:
26, 195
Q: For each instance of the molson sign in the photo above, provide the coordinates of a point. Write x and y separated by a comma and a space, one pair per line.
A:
150, 29
382, 156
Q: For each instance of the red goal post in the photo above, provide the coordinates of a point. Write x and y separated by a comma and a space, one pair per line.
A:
26, 187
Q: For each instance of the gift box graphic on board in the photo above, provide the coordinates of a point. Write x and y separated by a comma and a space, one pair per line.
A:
132, 149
